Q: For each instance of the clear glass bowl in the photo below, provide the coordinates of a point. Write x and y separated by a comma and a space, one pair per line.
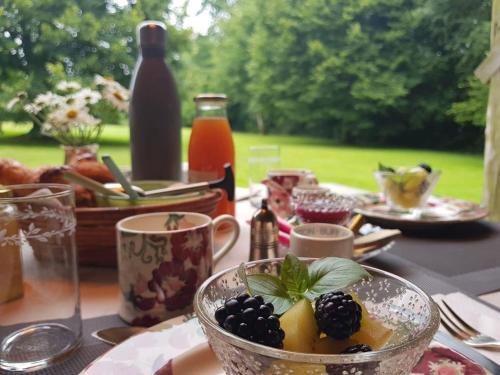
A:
320, 206
408, 190
398, 303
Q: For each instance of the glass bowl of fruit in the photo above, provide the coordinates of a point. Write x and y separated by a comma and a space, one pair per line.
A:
407, 188
314, 316
322, 206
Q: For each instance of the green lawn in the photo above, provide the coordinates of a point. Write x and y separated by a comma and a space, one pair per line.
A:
462, 173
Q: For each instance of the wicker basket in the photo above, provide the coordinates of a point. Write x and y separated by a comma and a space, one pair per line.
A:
96, 234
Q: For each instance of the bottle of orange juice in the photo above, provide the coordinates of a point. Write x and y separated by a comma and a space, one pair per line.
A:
211, 144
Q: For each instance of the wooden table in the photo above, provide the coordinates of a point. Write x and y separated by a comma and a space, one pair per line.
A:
100, 292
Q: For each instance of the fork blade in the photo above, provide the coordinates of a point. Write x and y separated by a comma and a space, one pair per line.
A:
450, 325
465, 326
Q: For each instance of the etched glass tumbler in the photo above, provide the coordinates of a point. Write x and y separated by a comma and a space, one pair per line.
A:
40, 321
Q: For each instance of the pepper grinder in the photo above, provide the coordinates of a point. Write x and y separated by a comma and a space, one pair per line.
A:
263, 234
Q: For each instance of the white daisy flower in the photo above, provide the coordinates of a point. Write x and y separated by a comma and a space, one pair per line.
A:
69, 114
117, 95
87, 96
68, 86
12, 103
102, 81
49, 99
32, 108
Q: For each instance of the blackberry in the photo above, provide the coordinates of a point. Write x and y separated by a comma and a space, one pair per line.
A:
355, 368
426, 166
337, 315
361, 348
250, 318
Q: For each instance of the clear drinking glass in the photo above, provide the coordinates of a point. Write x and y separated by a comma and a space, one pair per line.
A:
40, 321
261, 160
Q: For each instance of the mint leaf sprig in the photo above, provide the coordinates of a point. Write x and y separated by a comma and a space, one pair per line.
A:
385, 168
298, 281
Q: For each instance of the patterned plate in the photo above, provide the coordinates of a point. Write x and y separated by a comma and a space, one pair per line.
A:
439, 211
180, 348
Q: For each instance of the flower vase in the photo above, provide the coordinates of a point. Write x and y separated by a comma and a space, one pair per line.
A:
74, 153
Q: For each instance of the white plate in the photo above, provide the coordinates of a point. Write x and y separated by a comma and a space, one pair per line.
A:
148, 352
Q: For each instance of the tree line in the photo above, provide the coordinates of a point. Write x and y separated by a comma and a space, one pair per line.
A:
378, 72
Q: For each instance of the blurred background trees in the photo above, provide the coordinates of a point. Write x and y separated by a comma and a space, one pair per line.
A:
379, 72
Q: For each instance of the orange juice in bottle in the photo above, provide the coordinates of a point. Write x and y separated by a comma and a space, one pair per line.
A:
211, 144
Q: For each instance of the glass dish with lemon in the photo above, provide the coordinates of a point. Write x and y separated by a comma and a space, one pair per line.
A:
407, 188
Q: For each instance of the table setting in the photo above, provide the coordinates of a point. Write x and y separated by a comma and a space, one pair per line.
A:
167, 268
151, 275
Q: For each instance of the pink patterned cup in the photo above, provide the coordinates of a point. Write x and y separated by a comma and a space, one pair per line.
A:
289, 178
280, 183
162, 259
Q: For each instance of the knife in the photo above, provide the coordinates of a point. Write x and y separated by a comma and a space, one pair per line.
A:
452, 343
116, 335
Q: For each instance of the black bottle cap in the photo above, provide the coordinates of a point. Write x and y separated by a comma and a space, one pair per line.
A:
151, 34
263, 203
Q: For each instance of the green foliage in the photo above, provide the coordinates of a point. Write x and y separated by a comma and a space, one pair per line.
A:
371, 71
361, 72
472, 110
42, 42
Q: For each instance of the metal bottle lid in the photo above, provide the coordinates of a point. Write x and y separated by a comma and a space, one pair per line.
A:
151, 34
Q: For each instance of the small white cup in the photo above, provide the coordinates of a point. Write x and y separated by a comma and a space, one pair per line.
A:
318, 240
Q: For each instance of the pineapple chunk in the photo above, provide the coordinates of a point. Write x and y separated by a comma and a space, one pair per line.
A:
300, 327
327, 345
372, 332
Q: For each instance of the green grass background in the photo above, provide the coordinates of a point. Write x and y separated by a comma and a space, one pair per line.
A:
462, 173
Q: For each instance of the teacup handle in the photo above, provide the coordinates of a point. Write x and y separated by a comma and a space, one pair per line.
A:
234, 237
309, 179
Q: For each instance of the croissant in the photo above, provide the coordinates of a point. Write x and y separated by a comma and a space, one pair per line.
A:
94, 170
13, 173
54, 175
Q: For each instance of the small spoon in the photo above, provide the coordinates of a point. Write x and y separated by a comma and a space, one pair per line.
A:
90, 184
115, 171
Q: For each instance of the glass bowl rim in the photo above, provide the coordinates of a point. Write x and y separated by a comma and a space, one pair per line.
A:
433, 174
64, 190
379, 355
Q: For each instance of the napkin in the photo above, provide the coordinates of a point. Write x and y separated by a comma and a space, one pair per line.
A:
476, 314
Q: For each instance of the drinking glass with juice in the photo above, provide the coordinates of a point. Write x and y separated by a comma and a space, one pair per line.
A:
211, 144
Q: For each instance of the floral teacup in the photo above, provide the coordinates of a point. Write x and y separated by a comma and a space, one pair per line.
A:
280, 183
162, 259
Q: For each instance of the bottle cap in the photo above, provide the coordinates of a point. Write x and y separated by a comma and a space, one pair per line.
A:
151, 34
210, 97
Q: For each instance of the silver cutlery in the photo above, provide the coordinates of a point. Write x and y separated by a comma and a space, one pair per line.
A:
462, 330
467, 351
116, 335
